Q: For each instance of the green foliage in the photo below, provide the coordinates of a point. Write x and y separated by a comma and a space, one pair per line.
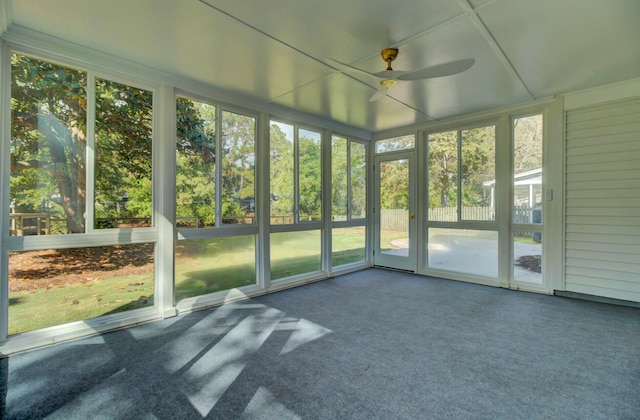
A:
310, 177
339, 176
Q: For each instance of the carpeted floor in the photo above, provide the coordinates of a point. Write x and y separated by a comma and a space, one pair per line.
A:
368, 345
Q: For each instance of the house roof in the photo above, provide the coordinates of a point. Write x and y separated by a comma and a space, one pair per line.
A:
272, 53
532, 177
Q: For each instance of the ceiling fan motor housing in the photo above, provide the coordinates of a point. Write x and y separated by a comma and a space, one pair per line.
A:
388, 55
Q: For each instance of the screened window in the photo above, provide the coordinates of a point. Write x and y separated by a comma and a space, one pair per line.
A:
123, 143
238, 164
57, 286
348, 179
395, 144
211, 265
48, 148
295, 174
461, 175
195, 164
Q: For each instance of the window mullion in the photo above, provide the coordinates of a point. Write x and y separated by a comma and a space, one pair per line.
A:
218, 169
459, 177
349, 191
89, 216
296, 175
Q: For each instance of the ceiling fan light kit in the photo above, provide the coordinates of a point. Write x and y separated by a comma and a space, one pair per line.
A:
390, 77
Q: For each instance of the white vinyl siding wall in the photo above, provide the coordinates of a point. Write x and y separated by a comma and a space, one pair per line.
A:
602, 244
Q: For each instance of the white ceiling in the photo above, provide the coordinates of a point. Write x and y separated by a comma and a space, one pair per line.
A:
273, 50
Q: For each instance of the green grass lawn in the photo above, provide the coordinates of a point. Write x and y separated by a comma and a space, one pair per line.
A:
202, 266
59, 305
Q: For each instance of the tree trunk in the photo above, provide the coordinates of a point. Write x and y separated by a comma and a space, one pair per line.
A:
69, 173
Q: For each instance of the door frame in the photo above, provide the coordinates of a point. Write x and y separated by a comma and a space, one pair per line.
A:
409, 262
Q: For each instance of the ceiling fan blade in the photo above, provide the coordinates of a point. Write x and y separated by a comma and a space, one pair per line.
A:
439, 70
390, 74
380, 93
345, 67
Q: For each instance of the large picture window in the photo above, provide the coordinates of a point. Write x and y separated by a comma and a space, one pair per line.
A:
461, 182
215, 191
75, 168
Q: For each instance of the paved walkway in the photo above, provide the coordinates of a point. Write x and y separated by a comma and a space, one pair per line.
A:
471, 255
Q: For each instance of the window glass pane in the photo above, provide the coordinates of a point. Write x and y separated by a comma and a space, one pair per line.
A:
238, 168
443, 176
478, 173
210, 265
463, 250
358, 181
195, 163
527, 169
396, 143
48, 148
294, 253
282, 173
57, 286
394, 207
527, 257
310, 175
339, 171
348, 245
123, 155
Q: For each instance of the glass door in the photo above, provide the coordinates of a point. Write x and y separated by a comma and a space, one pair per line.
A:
394, 211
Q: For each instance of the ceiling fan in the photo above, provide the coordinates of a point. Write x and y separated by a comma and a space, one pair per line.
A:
390, 77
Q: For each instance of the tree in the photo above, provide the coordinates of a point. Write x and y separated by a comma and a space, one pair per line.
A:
281, 171
238, 163
309, 177
48, 135
477, 164
195, 161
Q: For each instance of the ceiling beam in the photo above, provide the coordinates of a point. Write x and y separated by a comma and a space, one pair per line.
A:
484, 31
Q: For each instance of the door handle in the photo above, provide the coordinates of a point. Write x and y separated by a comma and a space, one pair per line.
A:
411, 217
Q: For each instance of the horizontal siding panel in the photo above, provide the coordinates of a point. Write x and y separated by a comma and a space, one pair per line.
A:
607, 239
607, 184
606, 248
603, 220
604, 229
614, 284
616, 203
598, 255
602, 158
601, 194
601, 211
593, 141
627, 147
604, 292
616, 266
604, 131
602, 274
605, 176
604, 111
630, 164
626, 118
